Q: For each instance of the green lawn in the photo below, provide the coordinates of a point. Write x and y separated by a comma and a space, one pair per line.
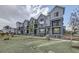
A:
30, 44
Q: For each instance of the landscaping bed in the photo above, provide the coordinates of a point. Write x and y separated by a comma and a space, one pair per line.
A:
75, 46
68, 37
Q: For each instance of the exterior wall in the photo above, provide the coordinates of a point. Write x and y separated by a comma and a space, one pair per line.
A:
33, 26
44, 24
25, 26
57, 9
58, 18
20, 28
48, 18
41, 25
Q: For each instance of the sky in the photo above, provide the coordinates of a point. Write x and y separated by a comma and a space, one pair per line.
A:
10, 14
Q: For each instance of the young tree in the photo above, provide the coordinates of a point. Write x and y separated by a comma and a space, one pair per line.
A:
74, 23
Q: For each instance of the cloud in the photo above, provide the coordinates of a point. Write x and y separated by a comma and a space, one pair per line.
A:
37, 10
3, 22
10, 14
45, 10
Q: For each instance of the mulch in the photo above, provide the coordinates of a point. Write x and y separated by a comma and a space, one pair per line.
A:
74, 46
68, 37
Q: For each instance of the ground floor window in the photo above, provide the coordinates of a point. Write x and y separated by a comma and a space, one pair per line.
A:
56, 30
42, 30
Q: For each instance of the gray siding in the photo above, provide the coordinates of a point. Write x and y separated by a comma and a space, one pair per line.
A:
41, 25
46, 24
58, 18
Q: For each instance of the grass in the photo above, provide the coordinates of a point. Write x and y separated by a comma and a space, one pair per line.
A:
30, 44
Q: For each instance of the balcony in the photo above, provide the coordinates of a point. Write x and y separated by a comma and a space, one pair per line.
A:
56, 23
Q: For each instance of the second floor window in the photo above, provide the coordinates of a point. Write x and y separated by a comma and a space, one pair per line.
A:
55, 23
35, 25
27, 27
42, 21
56, 14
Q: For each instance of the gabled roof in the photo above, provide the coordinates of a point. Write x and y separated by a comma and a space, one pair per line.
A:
26, 20
18, 22
41, 15
32, 19
56, 7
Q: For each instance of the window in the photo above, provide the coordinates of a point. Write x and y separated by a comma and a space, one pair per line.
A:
42, 21
42, 30
27, 27
56, 14
55, 23
56, 30
35, 25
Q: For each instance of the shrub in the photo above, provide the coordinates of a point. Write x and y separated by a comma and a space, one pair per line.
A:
47, 37
7, 38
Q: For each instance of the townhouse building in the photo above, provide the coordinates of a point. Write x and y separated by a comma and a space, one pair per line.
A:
52, 24
56, 21
41, 23
20, 28
26, 27
33, 26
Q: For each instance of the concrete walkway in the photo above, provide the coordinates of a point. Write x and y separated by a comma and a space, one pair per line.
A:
49, 43
55, 42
